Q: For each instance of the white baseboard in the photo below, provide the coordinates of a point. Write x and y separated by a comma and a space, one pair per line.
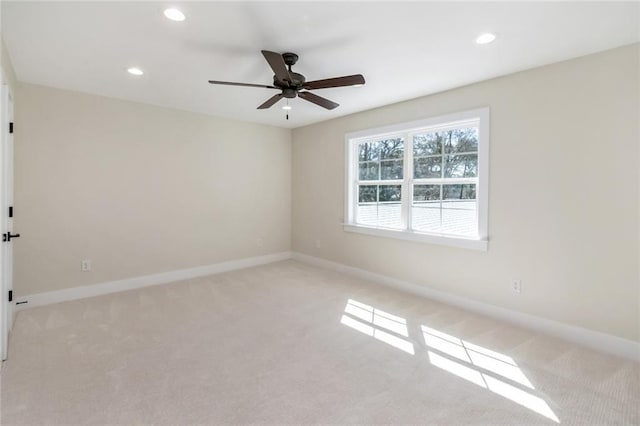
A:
593, 339
75, 293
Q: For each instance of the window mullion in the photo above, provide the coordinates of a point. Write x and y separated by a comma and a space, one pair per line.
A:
381, 182
355, 176
443, 177
408, 178
446, 181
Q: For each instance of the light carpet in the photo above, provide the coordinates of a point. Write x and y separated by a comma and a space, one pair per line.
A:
289, 343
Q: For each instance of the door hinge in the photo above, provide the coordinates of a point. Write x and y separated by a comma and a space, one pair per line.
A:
11, 127
10, 211
8, 236
10, 295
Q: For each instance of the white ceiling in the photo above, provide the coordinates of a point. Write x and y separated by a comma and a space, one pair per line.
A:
404, 49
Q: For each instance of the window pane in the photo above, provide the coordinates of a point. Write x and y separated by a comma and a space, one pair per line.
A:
367, 211
390, 198
425, 193
426, 217
459, 209
391, 169
459, 218
391, 148
385, 212
460, 140
425, 209
459, 192
454, 213
368, 171
367, 194
428, 144
461, 166
390, 193
427, 167
368, 151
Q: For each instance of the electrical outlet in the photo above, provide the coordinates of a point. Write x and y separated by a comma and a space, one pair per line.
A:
260, 242
516, 286
318, 244
85, 265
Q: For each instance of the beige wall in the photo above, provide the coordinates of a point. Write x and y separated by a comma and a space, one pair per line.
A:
140, 189
563, 208
7, 66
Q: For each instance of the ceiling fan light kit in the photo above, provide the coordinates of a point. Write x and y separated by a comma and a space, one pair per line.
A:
292, 84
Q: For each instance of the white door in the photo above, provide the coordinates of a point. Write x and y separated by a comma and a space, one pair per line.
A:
6, 214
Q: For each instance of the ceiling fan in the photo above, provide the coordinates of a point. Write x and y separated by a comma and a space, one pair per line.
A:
291, 84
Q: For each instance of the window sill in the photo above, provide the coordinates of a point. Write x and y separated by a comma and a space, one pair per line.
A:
451, 241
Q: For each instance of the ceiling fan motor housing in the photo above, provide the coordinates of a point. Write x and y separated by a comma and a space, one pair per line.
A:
297, 80
289, 93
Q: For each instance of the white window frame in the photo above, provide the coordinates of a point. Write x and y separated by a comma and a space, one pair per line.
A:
477, 117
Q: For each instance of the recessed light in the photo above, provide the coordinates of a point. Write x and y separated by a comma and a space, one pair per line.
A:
135, 71
286, 107
174, 14
485, 38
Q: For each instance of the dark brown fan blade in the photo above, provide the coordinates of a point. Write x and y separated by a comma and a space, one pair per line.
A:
229, 83
272, 100
349, 80
277, 65
318, 100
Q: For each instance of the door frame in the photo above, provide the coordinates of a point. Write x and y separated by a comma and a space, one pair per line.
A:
6, 180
